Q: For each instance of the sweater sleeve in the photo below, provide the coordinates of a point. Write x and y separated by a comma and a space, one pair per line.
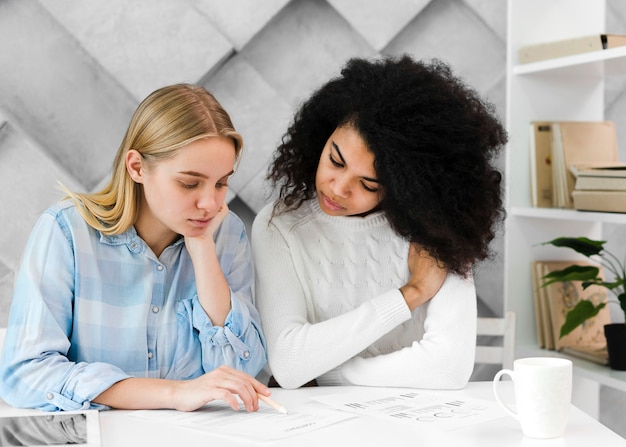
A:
442, 359
298, 350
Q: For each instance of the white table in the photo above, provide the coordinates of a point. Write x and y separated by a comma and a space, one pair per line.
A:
120, 429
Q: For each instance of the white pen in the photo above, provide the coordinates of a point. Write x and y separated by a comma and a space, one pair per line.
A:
272, 403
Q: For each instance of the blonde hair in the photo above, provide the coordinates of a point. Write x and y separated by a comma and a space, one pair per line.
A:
168, 119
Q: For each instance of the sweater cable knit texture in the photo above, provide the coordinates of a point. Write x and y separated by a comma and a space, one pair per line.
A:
328, 293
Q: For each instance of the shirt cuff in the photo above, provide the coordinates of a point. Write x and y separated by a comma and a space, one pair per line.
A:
235, 325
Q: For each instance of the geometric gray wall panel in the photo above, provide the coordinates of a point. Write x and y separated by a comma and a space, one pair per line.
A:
73, 72
78, 70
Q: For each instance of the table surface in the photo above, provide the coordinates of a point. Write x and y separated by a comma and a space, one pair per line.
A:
120, 429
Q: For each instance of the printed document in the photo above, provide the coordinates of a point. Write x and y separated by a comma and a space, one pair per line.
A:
264, 425
423, 409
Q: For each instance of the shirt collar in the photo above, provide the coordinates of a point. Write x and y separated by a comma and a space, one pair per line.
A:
131, 239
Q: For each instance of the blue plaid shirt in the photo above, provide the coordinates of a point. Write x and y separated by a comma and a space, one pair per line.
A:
90, 310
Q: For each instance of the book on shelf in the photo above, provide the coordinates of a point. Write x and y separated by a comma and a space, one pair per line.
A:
579, 143
603, 201
605, 177
567, 47
543, 326
556, 147
600, 355
541, 164
553, 302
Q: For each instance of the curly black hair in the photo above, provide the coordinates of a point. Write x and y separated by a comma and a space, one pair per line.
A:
434, 141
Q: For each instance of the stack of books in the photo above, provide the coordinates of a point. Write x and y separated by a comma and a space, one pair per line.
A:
560, 150
553, 302
600, 188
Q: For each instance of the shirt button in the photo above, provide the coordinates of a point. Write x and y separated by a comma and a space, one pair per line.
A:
133, 245
149, 354
246, 354
49, 396
159, 267
155, 309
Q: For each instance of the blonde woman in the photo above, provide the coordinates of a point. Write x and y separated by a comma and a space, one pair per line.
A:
140, 296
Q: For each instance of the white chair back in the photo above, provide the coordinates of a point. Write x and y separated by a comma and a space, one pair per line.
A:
500, 353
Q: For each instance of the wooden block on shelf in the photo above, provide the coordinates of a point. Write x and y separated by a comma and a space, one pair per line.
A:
568, 47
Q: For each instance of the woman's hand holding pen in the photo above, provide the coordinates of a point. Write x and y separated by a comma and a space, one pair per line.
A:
427, 277
223, 384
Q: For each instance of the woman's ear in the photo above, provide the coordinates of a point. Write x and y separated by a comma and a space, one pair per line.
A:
134, 165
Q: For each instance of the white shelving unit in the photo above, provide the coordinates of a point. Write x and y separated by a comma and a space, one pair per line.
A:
568, 88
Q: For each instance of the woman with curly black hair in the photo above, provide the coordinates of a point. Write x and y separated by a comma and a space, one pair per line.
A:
387, 198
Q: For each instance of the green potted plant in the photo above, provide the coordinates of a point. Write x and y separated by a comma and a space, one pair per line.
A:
615, 333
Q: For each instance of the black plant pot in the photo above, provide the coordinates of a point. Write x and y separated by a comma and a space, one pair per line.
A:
615, 334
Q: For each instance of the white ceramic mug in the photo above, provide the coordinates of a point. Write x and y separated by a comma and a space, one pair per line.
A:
543, 393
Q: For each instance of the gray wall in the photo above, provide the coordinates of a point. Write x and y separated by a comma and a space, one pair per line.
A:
73, 72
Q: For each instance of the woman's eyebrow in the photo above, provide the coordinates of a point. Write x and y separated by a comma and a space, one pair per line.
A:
369, 179
338, 152
199, 174
193, 174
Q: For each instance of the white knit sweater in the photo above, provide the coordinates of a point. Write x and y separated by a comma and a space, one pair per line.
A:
328, 292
